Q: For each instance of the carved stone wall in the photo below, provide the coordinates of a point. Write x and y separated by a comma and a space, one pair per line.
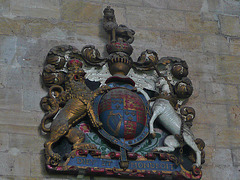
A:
205, 33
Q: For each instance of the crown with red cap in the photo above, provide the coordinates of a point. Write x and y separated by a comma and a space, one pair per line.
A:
74, 63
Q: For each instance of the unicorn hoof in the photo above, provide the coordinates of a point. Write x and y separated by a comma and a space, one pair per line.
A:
153, 135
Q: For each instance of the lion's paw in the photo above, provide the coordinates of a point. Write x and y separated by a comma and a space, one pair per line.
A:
84, 146
54, 159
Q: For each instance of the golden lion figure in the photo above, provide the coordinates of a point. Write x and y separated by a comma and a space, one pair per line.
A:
78, 99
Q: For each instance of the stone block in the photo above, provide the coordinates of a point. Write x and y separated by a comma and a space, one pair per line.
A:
181, 41
227, 137
210, 114
236, 172
234, 114
48, 29
35, 8
231, 7
11, 99
196, 24
54, 33
84, 177
164, 52
200, 64
209, 16
9, 26
215, 44
112, 178
223, 157
221, 93
204, 131
234, 47
3, 74
232, 94
26, 143
4, 141
186, 5
224, 173
198, 95
236, 157
156, 19
88, 30
35, 27
78, 29
6, 164
29, 130
20, 118
32, 78
222, 136
228, 7
19, 178
84, 12
161, 4
209, 154
207, 172
14, 77
57, 177
22, 165
147, 39
202, 77
230, 25
32, 98
7, 49
214, 5
124, 2
228, 69
4, 8
32, 52
16, 164
64, 30
38, 165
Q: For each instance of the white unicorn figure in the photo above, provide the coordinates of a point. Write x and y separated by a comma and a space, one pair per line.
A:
162, 85
169, 119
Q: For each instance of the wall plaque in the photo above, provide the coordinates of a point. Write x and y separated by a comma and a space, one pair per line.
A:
115, 116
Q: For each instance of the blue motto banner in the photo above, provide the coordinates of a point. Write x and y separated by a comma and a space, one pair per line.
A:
156, 164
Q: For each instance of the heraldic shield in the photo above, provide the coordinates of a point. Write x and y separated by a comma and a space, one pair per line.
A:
114, 116
125, 114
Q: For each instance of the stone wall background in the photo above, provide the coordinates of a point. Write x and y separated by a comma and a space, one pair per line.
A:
205, 33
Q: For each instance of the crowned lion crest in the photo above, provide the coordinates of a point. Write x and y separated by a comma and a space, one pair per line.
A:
116, 116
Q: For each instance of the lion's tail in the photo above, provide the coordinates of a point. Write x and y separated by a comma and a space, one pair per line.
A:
48, 116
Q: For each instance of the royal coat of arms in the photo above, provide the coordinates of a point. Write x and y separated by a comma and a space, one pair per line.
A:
114, 116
